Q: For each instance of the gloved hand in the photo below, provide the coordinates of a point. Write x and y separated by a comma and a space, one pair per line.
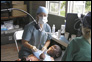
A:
34, 49
44, 48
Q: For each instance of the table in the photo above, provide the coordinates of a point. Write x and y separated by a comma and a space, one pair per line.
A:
62, 40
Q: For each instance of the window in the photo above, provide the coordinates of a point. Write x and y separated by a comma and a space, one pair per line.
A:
56, 7
87, 6
61, 7
81, 7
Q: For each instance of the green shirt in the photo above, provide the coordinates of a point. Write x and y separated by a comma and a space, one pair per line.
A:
78, 50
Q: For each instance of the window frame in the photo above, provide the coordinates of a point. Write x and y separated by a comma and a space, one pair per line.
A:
69, 7
48, 6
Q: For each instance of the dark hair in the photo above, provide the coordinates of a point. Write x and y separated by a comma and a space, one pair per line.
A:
86, 21
57, 52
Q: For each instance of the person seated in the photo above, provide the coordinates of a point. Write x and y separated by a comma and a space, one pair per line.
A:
53, 52
79, 48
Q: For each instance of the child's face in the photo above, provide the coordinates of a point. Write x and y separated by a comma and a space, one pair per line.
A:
52, 50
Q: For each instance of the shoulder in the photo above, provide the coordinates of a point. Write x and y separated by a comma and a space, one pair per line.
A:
52, 58
47, 26
30, 25
77, 40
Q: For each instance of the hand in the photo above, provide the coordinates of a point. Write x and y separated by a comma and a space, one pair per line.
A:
34, 49
28, 59
42, 56
44, 48
18, 60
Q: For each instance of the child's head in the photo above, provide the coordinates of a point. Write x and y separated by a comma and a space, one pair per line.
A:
86, 25
54, 51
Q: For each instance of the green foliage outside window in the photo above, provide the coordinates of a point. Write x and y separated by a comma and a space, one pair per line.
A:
88, 6
63, 7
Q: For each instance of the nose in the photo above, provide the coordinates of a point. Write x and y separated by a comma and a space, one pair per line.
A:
52, 47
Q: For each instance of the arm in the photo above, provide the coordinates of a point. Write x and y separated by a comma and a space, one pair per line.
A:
48, 39
27, 34
52, 59
32, 58
26, 44
46, 45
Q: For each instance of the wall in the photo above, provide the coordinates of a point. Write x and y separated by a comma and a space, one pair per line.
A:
57, 20
30, 7
52, 19
35, 5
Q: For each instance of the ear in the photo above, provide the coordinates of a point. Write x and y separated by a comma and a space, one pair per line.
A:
57, 54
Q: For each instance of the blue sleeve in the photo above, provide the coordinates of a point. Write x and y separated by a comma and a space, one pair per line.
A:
27, 34
49, 30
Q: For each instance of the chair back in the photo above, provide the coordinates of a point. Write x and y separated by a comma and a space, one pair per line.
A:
18, 35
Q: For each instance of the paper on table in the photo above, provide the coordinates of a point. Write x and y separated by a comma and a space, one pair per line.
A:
63, 39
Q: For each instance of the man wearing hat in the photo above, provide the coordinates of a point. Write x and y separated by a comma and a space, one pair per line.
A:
79, 48
34, 39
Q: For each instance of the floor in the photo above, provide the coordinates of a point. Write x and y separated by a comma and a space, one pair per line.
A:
9, 53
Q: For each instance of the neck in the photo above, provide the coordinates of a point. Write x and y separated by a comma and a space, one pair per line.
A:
88, 39
41, 26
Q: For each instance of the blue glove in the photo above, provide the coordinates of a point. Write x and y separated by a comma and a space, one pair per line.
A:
39, 52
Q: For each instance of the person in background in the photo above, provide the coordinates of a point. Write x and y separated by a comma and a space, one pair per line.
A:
79, 48
34, 39
53, 52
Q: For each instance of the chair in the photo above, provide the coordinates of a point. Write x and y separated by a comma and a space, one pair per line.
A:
18, 36
71, 19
